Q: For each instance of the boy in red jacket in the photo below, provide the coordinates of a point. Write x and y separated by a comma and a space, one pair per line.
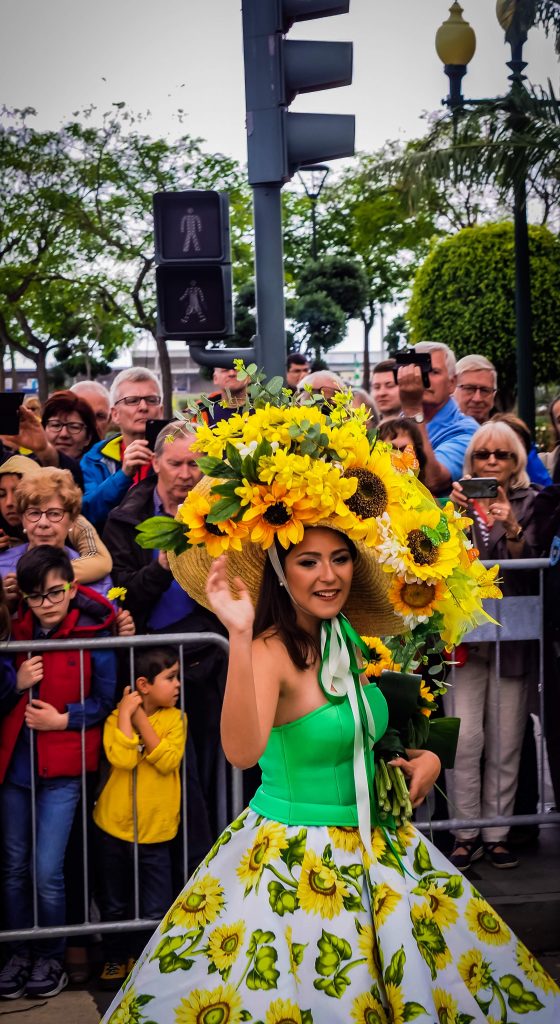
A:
41, 747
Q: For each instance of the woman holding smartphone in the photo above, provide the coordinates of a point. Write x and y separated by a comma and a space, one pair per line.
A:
492, 709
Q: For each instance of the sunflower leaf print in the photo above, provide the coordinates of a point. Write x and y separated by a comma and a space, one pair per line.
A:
263, 974
395, 971
130, 1010
520, 1000
293, 854
281, 899
430, 941
422, 862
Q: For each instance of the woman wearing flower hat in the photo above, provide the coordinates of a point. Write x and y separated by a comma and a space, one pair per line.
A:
310, 907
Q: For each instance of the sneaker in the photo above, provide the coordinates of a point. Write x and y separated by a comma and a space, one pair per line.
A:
14, 975
48, 978
500, 855
113, 975
465, 852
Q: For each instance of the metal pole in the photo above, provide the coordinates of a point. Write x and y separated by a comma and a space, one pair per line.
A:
523, 318
270, 341
314, 228
523, 331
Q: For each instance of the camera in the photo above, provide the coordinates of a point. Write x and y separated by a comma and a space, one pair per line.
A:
410, 357
479, 487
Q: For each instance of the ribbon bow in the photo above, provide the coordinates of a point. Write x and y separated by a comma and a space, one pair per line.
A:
339, 677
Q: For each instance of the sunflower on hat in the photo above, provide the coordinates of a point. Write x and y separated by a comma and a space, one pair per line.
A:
281, 465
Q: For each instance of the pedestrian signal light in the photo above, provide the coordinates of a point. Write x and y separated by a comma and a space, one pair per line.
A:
276, 70
193, 265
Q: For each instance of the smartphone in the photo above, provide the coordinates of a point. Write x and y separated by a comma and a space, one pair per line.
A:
410, 357
480, 487
153, 428
10, 402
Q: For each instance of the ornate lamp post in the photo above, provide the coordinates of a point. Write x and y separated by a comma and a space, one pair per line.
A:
455, 45
313, 188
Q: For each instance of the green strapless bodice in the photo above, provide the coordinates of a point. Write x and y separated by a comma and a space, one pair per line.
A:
307, 767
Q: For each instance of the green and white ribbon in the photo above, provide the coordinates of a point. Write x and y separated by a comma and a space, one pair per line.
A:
339, 678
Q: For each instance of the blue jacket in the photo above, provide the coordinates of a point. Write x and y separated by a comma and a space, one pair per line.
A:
105, 484
450, 432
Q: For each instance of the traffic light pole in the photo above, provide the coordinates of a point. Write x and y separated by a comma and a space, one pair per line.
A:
270, 341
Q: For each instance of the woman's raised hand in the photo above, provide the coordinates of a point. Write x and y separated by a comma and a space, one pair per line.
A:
234, 609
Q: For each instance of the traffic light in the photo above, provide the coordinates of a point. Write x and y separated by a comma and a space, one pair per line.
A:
276, 70
193, 265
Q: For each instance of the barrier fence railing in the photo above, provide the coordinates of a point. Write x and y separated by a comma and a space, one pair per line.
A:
89, 926
520, 618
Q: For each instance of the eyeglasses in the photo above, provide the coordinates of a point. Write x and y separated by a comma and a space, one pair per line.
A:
133, 400
484, 454
54, 596
471, 389
54, 515
72, 428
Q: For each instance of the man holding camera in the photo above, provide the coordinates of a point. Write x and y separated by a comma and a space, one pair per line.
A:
446, 431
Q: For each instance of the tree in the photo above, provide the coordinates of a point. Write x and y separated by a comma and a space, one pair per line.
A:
463, 294
368, 220
82, 214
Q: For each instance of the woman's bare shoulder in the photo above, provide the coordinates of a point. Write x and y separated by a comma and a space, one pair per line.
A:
269, 644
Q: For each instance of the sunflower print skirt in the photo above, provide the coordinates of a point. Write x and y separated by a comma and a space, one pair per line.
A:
283, 924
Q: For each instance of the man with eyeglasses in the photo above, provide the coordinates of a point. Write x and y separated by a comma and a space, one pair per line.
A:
477, 383
112, 466
445, 430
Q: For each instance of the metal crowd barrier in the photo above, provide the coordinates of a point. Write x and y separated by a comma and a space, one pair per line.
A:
519, 618
181, 641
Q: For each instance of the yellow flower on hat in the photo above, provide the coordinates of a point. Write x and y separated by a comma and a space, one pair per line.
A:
194, 514
414, 552
416, 600
485, 579
278, 512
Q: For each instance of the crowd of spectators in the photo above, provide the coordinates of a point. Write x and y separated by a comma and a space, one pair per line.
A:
75, 481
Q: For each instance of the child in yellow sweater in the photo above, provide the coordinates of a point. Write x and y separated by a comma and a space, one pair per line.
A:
144, 740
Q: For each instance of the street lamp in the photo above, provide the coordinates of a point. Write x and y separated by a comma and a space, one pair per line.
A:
455, 45
313, 188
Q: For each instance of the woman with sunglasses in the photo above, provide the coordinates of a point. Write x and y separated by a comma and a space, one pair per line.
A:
493, 711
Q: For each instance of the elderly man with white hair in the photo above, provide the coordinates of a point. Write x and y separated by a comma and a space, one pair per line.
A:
97, 396
445, 430
110, 467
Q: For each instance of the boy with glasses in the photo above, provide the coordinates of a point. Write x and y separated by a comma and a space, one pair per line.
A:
49, 737
112, 466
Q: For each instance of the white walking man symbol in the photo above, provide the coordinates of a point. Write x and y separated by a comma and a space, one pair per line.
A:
196, 306
191, 226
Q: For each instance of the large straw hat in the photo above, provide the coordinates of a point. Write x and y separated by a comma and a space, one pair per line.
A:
368, 607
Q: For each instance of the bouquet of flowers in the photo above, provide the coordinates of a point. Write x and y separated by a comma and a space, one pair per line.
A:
411, 702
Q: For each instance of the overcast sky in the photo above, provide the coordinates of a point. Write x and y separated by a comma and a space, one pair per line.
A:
59, 55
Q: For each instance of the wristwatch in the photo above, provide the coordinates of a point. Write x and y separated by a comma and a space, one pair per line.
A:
418, 417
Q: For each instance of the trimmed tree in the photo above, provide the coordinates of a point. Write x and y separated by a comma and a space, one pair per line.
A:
464, 295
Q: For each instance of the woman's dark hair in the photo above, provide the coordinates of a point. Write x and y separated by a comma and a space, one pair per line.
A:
389, 430
276, 614
150, 661
35, 565
67, 401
